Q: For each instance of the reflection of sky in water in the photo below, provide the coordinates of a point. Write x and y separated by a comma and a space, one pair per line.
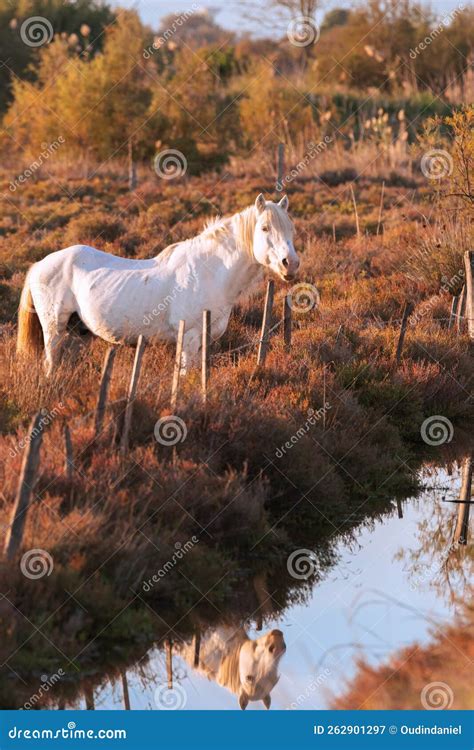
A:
348, 614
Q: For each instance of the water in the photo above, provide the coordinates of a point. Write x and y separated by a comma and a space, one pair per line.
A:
389, 588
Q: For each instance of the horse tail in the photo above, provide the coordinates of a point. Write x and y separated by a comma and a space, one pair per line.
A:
30, 334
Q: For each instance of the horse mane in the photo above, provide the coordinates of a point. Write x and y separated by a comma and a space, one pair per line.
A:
241, 225
229, 674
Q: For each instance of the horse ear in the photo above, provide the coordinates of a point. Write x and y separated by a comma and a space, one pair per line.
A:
243, 701
284, 203
267, 701
260, 203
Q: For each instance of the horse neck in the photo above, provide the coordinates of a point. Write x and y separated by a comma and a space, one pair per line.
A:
238, 249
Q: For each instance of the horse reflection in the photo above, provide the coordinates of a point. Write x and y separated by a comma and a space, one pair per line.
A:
248, 668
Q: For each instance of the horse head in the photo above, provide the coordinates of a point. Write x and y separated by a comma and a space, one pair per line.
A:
258, 667
273, 238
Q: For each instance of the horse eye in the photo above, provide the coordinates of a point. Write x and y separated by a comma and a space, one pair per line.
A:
271, 648
265, 229
249, 678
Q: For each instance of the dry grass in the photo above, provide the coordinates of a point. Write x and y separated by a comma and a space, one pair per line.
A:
118, 520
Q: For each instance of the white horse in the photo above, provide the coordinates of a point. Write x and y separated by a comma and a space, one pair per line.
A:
118, 298
245, 667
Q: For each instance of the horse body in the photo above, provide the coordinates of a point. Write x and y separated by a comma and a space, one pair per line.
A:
119, 299
248, 668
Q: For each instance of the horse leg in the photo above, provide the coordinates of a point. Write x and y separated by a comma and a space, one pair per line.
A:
54, 333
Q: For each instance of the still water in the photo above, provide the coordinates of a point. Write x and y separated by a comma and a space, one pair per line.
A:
394, 585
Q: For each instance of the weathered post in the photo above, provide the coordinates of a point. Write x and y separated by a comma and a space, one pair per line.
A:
462, 523
177, 364
89, 697
380, 207
399, 508
280, 167
287, 322
469, 268
266, 324
355, 211
68, 454
104, 390
197, 648
406, 314
461, 309
26, 484
169, 662
453, 312
132, 391
205, 350
126, 694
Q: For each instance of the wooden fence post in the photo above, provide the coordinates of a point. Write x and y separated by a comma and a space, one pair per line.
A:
355, 211
266, 324
462, 523
454, 310
197, 648
469, 267
68, 454
132, 391
406, 314
169, 662
206, 358
280, 167
399, 508
461, 309
177, 364
126, 694
287, 322
26, 483
89, 697
104, 389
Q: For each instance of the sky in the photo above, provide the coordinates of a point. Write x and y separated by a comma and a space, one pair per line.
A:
231, 15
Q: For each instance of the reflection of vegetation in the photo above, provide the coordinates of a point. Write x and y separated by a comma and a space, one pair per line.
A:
399, 684
438, 560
